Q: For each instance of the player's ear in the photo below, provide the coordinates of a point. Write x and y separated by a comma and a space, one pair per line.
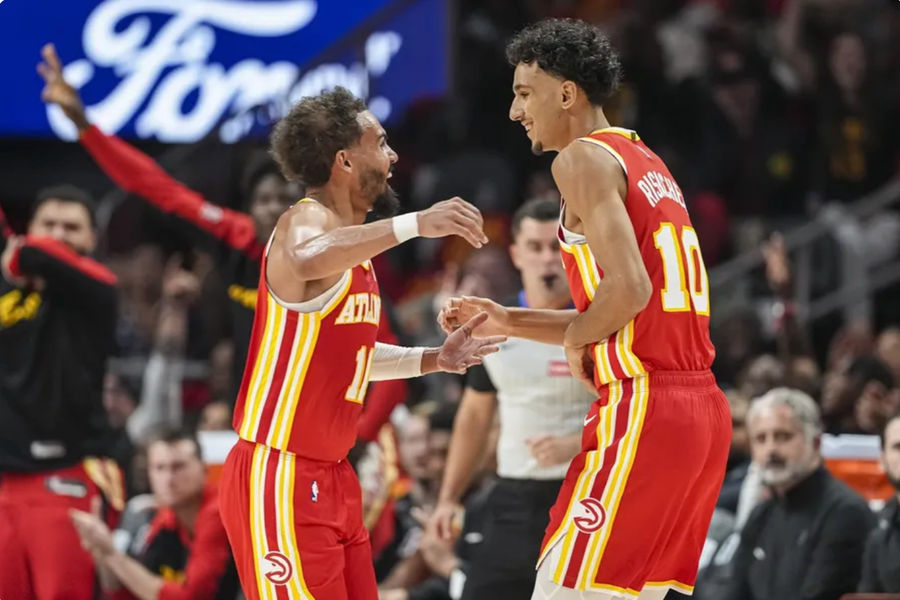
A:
342, 161
568, 93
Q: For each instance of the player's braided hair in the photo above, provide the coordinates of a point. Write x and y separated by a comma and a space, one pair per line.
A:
570, 49
305, 141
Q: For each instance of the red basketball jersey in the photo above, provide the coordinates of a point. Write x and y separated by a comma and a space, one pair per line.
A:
672, 332
307, 372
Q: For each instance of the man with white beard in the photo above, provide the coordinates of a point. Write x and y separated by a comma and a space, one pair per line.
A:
806, 540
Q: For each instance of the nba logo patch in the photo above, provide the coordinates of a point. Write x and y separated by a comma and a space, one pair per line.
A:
314, 489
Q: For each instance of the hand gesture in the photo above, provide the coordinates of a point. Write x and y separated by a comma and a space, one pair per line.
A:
95, 536
457, 311
460, 350
58, 91
445, 522
581, 363
551, 450
453, 217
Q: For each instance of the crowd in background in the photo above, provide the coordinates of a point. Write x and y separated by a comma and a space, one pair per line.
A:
770, 114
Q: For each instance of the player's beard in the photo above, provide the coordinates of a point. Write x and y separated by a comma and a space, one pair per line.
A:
386, 202
537, 148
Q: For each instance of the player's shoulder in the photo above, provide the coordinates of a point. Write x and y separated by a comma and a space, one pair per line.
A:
307, 213
581, 156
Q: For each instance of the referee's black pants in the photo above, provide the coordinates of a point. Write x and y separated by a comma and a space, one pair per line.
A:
503, 566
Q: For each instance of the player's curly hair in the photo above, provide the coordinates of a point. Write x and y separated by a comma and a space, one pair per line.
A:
573, 50
305, 141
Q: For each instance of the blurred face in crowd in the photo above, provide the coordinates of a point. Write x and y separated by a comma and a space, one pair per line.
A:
538, 105
890, 452
735, 91
413, 447
68, 222
847, 61
781, 448
438, 445
888, 350
838, 395
740, 439
271, 197
176, 472
117, 401
535, 253
216, 416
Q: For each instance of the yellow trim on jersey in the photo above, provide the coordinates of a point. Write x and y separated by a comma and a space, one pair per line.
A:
625, 133
301, 354
631, 364
271, 340
609, 149
612, 495
257, 517
306, 199
593, 463
339, 297
287, 534
672, 584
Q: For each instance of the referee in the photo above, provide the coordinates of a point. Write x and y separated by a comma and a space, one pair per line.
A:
541, 410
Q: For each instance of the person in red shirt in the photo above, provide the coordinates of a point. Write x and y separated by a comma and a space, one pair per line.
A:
632, 514
184, 554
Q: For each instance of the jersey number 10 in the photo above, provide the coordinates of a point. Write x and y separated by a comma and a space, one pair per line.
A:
356, 391
679, 295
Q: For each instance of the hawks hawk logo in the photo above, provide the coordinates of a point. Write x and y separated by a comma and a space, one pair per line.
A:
593, 515
282, 570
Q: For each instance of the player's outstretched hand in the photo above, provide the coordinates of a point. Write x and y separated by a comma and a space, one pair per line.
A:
461, 350
453, 217
459, 310
58, 91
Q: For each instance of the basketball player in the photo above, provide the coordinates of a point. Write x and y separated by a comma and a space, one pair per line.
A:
292, 509
633, 511
542, 408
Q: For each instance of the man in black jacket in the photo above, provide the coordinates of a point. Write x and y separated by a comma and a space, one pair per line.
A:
57, 320
881, 561
806, 541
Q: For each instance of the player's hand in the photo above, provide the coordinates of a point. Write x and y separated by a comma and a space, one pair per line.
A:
457, 311
12, 244
445, 522
95, 536
550, 450
58, 91
581, 363
461, 350
453, 217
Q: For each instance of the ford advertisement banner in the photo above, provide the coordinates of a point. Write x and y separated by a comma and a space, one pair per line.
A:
179, 70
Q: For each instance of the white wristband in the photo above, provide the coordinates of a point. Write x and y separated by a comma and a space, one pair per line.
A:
406, 226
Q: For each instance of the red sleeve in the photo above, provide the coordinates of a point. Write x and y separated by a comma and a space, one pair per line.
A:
383, 396
134, 171
65, 272
208, 561
120, 594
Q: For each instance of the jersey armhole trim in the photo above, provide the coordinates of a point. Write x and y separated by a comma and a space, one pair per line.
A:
609, 149
324, 303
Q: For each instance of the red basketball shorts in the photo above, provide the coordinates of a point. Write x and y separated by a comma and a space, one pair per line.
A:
295, 526
40, 551
636, 503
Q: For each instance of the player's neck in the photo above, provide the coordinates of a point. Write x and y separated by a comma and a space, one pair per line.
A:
336, 199
584, 122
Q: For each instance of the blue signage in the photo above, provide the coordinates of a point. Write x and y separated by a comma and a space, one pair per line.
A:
178, 70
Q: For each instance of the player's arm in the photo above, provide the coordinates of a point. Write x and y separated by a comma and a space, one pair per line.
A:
134, 171
598, 202
540, 325
61, 271
311, 245
471, 429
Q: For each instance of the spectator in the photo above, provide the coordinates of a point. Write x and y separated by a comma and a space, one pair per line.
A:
882, 556
57, 324
887, 348
806, 541
185, 555
739, 455
857, 399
